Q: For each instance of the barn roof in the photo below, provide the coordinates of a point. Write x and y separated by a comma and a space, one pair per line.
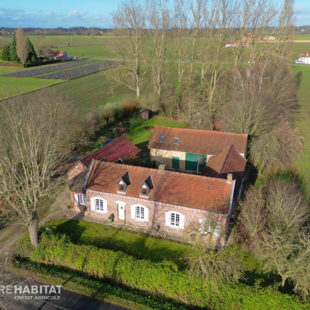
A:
196, 140
119, 148
192, 191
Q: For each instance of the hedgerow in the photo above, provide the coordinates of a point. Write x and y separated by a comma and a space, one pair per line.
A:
159, 279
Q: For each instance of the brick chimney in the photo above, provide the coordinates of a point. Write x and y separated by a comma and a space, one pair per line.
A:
161, 168
229, 178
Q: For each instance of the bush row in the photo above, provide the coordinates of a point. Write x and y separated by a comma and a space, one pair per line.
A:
160, 279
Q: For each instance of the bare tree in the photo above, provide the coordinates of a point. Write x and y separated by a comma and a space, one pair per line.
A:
21, 45
276, 148
209, 259
277, 238
31, 134
130, 23
159, 20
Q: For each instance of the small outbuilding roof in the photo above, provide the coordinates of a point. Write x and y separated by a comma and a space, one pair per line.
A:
196, 140
228, 161
119, 148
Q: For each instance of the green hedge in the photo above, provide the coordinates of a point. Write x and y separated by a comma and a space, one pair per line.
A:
159, 279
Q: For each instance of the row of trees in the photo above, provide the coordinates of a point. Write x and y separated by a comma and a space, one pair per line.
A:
20, 49
182, 55
176, 62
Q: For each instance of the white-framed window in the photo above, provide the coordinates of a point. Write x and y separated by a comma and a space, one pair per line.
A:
99, 205
122, 187
145, 191
175, 219
139, 213
82, 200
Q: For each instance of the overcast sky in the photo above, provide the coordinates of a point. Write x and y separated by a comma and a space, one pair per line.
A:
87, 13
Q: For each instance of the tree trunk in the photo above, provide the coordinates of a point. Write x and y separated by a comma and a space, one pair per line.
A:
33, 231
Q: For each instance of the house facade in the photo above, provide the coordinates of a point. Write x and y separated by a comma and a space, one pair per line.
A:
167, 201
190, 149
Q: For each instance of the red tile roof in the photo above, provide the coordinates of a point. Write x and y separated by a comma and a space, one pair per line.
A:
197, 192
228, 161
120, 147
197, 141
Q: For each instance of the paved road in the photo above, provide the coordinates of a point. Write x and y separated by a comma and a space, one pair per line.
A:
67, 301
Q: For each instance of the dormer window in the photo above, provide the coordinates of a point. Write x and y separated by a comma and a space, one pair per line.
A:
162, 139
176, 141
145, 191
121, 187
123, 183
146, 187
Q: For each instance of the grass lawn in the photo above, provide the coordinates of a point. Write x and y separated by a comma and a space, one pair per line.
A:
300, 48
140, 135
301, 120
138, 245
10, 87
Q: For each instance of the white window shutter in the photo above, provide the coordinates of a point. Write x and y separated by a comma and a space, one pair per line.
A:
167, 216
76, 199
133, 212
146, 214
93, 206
182, 217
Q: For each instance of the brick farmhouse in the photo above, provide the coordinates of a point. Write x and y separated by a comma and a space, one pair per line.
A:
153, 198
166, 200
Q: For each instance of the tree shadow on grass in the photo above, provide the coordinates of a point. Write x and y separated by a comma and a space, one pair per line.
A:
103, 288
137, 247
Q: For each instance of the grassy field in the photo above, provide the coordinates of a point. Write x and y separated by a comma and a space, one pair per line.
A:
302, 74
139, 135
10, 87
92, 92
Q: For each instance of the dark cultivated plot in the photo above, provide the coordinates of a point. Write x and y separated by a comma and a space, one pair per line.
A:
48, 69
80, 71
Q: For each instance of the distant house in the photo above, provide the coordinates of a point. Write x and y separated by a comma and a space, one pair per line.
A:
247, 40
54, 55
230, 44
60, 55
118, 150
304, 58
269, 38
155, 198
191, 149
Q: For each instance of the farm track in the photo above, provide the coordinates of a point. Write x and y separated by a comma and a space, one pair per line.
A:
48, 69
80, 71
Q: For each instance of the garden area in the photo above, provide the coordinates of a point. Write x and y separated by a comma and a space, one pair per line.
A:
88, 257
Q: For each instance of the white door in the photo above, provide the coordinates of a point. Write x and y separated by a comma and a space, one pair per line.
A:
121, 211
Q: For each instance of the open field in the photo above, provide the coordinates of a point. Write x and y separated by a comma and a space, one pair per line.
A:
48, 68
301, 120
10, 87
92, 92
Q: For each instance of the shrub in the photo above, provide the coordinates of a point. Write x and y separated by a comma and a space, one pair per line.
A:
162, 279
5, 52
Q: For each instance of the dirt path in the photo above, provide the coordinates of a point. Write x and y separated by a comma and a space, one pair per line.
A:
58, 210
